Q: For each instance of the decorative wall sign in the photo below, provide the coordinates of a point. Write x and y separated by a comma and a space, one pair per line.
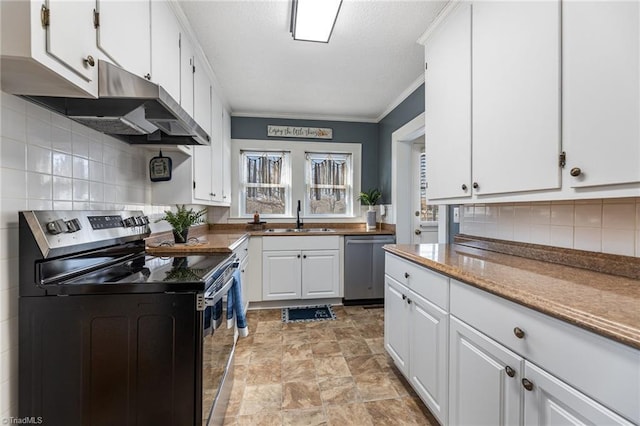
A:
300, 132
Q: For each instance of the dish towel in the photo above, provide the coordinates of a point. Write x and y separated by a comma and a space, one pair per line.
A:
235, 306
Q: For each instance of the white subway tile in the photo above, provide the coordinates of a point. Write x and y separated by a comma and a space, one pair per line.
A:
5, 366
9, 208
109, 193
491, 230
81, 205
38, 132
96, 151
561, 236
619, 216
13, 183
38, 159
13, 102
61, 121
588, 215
61, 140
467, 211
522, 215
562, 214
540, 214
80, 168
586, 238
14, 125
80, 191
96, 192
491, 214
540, 234
618, 241
96, 171
62, 164
80, 145
38, 112
5, 397
63, 205
4, 335
62, 189
39, 186
9, 244
13, 154
39, 204
8, 273
5, 296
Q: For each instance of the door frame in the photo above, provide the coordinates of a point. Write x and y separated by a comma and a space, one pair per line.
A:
401, 201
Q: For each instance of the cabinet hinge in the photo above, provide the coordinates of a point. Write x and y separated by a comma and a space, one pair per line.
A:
45, 16
194, 184
426, 65
563, 159
96, 19
194, 69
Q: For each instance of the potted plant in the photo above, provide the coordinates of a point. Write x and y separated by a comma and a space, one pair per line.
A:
181, 220
370, 198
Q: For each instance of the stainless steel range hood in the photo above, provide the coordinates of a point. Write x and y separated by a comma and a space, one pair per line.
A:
130, 108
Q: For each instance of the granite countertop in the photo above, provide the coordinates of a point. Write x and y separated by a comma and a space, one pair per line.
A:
211, 242
606, 304
336, 231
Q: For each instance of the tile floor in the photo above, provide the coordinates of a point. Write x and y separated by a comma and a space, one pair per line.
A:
320, 373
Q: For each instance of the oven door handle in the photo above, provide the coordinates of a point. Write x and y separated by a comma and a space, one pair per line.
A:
212, 298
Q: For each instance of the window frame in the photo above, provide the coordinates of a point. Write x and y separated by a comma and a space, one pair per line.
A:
348, 187
285, 182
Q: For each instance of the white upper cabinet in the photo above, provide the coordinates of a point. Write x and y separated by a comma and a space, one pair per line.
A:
165, 48
187, 71
601, 92
49, 48
201, 96
448, 106
516, 96
123, 31
226, 156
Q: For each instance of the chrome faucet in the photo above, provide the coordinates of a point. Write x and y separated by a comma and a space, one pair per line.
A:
298, 221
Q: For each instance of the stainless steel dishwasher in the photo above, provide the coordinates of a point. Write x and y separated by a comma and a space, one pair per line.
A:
364, 268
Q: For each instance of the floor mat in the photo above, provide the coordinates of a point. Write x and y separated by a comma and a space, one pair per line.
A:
308, 313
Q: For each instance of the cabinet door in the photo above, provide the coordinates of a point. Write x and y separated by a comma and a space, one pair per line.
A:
202, 173
396, 323
124, 34
481, 391
165, 48
429, 354
187, 70
448, 107
201, 96
601, 97
320, 274
553, 402
71, 37
516, 96
281, 274
244, 268
217, 149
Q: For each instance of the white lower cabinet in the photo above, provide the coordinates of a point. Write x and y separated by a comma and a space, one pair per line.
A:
484, 379
291, 269
416, 337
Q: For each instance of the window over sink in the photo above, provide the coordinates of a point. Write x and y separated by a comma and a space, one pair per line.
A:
329, 178
266, 183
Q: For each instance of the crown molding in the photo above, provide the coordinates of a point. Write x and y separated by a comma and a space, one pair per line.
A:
404, 95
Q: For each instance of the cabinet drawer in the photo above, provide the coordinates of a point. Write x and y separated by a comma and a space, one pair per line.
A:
242, 250
426, 283
607, 371
301, 243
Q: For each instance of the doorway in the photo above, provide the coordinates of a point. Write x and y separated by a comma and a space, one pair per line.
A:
425, 215
403, 199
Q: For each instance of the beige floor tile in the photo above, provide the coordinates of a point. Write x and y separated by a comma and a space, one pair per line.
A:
268, 326
376, 345
321, 335
268, 337
363, 364
354, 347
265, 353
270, 314
395, 412
347, 333
348, 415
264, 374
295, 336
338, 391
325, 349
375, 386
261, 399
262, 419
334, 366
298, 371
313, 417
300, 395
297, 352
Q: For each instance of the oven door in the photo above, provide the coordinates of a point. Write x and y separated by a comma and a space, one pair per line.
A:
217, 352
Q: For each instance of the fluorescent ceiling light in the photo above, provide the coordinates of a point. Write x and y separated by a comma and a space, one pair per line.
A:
313, 20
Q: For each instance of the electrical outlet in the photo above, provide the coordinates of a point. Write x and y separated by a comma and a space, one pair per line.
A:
456, 215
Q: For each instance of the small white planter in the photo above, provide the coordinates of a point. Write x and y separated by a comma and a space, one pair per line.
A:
371, 219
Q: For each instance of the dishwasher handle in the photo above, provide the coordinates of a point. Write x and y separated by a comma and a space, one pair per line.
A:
372, 241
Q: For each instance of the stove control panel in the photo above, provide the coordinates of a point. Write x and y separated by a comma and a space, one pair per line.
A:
59, 226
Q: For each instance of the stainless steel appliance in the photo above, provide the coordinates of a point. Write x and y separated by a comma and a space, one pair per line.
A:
364, 268
109, 335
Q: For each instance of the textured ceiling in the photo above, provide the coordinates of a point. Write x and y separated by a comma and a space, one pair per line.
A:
371, 59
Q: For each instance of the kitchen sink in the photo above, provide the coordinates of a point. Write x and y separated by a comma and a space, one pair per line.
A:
303, 230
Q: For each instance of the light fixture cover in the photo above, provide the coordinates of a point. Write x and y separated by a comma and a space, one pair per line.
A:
313, 20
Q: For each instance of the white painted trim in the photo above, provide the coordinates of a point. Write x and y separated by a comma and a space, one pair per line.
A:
404, 95
446, 11
291, 116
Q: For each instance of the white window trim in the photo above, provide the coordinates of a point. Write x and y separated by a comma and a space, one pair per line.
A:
348, 188
297, 158
241, 175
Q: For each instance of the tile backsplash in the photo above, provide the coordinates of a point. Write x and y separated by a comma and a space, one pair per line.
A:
607, 225
50, 162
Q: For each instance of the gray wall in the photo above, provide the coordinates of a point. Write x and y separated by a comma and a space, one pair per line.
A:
374, 137
343, 131
412, 106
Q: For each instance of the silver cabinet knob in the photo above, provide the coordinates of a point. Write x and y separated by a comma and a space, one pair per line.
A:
575, 172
